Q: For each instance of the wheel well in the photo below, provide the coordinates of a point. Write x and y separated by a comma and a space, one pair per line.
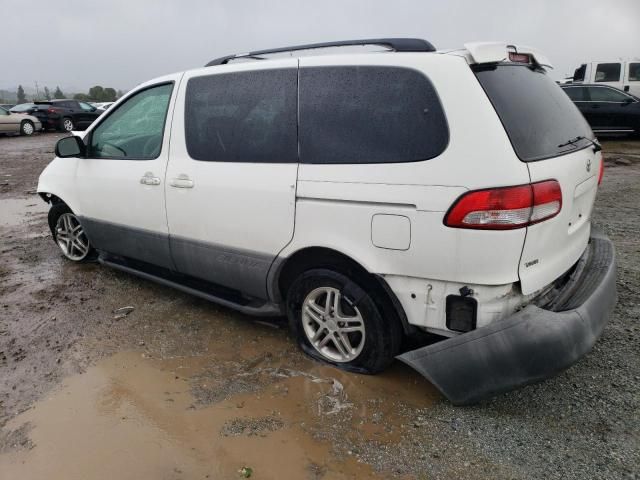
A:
50, 198
319, 257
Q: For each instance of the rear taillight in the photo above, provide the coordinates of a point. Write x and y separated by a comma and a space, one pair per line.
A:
601, 173
53, 110
505, 208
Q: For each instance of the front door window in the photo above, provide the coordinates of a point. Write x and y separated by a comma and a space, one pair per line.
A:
134, 130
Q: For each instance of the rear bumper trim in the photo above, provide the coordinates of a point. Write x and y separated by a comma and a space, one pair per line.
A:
531, 345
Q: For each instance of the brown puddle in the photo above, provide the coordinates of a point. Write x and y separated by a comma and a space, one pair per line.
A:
136, 417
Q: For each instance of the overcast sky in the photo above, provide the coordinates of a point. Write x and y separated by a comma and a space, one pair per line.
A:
120, 43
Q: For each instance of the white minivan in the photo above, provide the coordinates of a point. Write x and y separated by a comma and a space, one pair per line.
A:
621, 74
368, 196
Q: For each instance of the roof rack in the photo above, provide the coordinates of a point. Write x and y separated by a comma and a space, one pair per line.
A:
395, 44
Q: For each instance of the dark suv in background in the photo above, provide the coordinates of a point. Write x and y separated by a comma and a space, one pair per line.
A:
64, 115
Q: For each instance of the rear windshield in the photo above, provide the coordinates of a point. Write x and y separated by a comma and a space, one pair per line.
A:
537, 115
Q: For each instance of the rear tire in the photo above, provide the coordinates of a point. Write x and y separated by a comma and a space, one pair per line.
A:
336, 321
67, 125
27, 128
69, 235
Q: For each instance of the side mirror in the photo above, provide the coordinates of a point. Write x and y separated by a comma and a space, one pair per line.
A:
627, 101
70, 147
93, 109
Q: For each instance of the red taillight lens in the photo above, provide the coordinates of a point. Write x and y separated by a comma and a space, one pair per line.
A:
519, 57
506, 208
601, 174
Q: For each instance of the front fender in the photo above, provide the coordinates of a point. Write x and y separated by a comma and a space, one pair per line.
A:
58, 180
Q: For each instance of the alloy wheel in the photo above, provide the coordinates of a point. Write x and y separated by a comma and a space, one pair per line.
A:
71, 238
333, 326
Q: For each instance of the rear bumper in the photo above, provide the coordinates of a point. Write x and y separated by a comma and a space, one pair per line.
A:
531, 345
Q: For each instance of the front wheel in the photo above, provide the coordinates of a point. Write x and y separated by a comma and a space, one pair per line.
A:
336, 321
69, 235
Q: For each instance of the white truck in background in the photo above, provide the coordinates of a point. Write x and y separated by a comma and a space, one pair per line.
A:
622, 74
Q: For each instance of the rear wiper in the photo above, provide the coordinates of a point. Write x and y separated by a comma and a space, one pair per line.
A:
596, 145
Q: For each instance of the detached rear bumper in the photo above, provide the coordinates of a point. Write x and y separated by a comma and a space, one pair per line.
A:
532, 344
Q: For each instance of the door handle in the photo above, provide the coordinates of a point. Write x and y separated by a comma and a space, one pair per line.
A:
182, 181
149, 179
595, 106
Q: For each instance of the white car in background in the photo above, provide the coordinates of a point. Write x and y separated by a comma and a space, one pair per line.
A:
367, 196
102, 105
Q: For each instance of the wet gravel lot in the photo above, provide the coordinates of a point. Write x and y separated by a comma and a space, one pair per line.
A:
181, 388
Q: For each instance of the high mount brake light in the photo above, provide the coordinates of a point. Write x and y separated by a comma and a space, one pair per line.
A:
506, 208
519, 57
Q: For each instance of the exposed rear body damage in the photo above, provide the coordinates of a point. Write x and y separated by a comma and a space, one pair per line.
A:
530, 345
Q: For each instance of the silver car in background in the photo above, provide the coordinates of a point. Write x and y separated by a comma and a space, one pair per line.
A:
21, 123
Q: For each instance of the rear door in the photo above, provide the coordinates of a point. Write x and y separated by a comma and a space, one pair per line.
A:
543, 125
580, 96
8, 121
231, 179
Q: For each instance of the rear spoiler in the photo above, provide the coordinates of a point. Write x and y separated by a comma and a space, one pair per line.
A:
492, 52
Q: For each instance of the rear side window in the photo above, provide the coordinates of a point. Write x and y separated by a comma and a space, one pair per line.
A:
369, 114
243, 117
537, 115
634, 72
608, 72
577, 94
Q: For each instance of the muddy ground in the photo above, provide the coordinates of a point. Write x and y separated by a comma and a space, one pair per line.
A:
180, 388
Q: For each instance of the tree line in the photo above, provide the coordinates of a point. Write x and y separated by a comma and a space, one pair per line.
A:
95, 94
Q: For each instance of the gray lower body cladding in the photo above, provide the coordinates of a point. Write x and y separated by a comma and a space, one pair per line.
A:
531, 345
129, 242
237, 269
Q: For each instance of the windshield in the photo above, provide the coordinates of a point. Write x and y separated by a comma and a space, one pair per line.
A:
537, 115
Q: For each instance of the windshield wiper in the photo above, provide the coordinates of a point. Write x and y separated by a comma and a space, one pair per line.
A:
596, 145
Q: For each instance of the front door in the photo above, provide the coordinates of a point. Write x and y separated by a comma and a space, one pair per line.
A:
610, 109
230, 183
121, 183
86, 114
